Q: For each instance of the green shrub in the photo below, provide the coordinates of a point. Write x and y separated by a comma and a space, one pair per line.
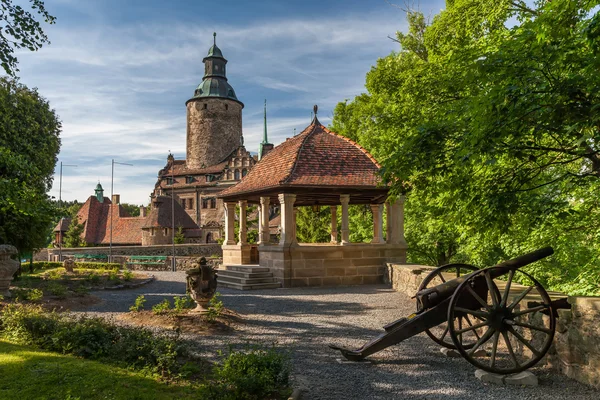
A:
183, 302
139, 304
41, 265
35, 295
114, 276
127, 275
81, 290
94, 278
161, 307
56, 289
98, 265
92, 338
54, 274
215, 308
254, 373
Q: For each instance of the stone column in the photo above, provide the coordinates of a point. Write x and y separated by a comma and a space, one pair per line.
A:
333, 224
295, 240
388, 222
260, 226
377, 210
287, 218
264, 221
229, 223
397, 222
243, 236
345, 199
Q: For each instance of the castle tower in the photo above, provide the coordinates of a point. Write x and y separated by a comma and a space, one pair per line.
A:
214, 115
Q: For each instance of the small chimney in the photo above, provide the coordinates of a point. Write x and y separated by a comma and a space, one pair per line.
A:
142, 211
116, 199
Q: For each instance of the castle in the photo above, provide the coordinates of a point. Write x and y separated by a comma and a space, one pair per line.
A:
216, 158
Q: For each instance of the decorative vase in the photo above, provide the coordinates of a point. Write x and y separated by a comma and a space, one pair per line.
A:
68, 265
8, 267
201, 285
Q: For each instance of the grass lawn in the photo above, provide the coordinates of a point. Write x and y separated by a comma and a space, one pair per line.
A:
28, 373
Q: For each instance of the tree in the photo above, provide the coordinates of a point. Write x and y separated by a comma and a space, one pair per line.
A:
73, 235
29, 144
132, 209
491, 127
20, 30
179, 236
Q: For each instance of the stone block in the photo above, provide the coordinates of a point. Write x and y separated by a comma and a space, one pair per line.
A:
298, 282
372, 253
352, 253
372, 279
336, 262
315, 281
350, 271
315, 263
362, 262
352, 280
332, 281
336, 272
488, 377
369, 271
308, 273
524, 378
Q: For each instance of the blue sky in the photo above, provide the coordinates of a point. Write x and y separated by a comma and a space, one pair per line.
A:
118, 74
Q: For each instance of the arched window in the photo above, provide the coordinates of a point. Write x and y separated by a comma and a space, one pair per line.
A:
213, 203
205, 106
237, 174
228, 175
244, 172
208, 237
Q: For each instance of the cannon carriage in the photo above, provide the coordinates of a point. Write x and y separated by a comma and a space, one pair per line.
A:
481, 313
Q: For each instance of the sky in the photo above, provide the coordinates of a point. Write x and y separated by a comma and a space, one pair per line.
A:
118, 74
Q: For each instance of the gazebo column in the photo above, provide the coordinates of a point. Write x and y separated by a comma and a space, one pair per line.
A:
333, 224
388, 222
294, 225
287, 218
345, 199
260, 226
243, 235
264, 221
229, 223
377, 210
396, 222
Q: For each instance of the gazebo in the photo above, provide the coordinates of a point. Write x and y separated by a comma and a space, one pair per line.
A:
315, 168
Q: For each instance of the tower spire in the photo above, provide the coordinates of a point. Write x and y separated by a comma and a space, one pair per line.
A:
264, 146
265, 140
214, 38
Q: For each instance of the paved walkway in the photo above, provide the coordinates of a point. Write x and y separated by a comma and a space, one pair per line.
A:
306, 320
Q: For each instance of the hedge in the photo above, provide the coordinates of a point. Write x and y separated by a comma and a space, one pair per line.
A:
84, 265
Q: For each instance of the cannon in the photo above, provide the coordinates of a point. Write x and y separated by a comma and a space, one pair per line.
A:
481, 314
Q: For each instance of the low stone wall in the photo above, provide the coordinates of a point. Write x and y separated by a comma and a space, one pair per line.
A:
196, 250
329, 264
576, 348
41, 255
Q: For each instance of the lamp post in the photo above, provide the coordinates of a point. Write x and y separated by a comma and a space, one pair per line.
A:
60, 224
112, 178
173, 262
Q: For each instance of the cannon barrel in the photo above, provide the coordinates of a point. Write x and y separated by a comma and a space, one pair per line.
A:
433, 296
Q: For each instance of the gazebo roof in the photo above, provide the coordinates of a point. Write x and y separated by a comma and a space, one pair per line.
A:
317, 165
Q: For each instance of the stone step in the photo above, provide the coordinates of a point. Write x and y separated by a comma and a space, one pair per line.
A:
244, 281
247, 275
246, 268
255, 286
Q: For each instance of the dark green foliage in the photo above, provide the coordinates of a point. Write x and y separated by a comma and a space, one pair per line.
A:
132, 209
254, 373
313, 226
37, 265
91, 338
97, 265
20, 30
215, 308
179, 236
29, 144
73, 235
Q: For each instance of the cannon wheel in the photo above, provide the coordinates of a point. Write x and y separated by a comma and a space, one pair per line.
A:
503, 315
440, 333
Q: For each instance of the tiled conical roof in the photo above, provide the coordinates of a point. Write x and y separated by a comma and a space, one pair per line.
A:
316, 157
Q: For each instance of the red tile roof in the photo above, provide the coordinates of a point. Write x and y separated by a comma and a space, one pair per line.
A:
315, 157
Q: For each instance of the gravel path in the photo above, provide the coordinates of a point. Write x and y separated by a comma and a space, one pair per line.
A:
306, 320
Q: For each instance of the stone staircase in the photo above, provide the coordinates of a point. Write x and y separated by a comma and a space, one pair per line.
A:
246, 277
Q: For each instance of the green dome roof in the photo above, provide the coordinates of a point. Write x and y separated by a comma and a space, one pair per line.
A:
214, 51
99, 186
215, 87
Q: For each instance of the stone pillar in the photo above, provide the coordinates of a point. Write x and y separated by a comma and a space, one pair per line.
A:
264, 221
287, 218
377, 210
345, 199
397, 222
388, 222
295, 240
243, 236
229, 223
260, 226
333, 210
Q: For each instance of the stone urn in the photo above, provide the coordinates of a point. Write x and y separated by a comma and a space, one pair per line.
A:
68, 265
201, 285
8, 267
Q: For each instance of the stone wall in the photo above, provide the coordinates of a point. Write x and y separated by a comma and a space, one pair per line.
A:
329, 265
214, 130
576, 348
196, 250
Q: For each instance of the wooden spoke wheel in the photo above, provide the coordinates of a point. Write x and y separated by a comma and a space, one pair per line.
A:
516, 322
442, 274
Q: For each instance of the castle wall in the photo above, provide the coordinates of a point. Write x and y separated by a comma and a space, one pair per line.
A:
214, 130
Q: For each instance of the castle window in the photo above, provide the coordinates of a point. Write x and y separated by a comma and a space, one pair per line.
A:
169, 180
191, 204
165, 231
244, 172
205, 106
204, 203
189, 179
210, 178
226, 107
213, 203
152, 233
237, 174
183, 203
228, 175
